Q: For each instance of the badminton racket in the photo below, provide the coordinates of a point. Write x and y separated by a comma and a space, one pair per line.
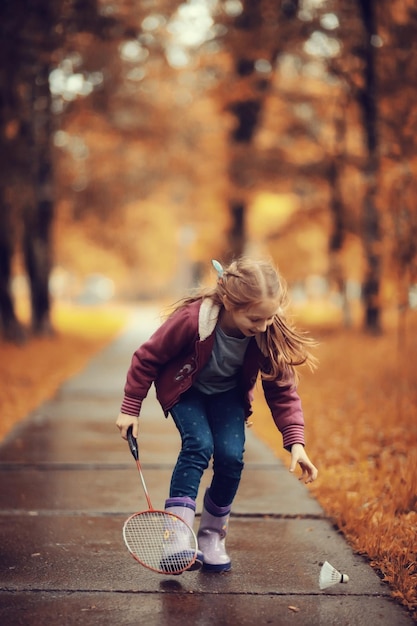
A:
161, 541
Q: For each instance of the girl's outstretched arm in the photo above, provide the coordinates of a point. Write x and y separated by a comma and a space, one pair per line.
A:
299, 455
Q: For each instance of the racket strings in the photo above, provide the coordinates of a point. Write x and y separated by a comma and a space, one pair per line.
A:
160, 541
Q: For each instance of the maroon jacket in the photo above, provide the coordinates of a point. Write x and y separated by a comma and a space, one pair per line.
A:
179, 349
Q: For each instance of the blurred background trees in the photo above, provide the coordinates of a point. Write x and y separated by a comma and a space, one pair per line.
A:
142, 139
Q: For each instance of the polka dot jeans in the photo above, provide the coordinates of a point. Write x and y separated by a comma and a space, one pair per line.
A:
210, 426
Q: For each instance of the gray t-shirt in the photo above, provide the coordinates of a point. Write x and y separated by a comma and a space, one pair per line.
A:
221, 372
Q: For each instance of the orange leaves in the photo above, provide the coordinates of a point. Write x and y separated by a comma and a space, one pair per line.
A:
32, 373
361, 429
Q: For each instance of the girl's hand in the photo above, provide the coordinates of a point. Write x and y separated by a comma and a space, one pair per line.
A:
124, 421
299, 455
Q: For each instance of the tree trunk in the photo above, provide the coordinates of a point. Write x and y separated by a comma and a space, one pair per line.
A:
11, 329
255, 35
337, 238
371, 221
38, 216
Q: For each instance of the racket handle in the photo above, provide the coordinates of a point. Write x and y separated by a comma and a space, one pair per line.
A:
133, 444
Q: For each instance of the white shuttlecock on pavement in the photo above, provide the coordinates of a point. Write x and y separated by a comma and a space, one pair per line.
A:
330, 576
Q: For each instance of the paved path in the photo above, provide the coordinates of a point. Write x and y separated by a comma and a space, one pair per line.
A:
69, 481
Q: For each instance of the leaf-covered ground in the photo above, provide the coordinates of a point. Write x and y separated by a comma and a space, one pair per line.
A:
361, 414
32, 373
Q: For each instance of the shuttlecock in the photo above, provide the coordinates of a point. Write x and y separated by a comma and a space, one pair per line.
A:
330, 576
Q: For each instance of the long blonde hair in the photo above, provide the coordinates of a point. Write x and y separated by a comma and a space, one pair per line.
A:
247, 282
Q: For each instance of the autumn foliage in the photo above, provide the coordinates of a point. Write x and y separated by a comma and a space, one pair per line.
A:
32, 373
361, 414
139, 140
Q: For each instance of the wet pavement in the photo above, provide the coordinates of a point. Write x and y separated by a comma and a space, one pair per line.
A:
69, 482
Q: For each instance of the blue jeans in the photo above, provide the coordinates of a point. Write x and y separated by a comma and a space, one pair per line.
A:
210, 426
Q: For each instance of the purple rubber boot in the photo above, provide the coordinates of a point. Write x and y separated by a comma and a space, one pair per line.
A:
212, 534
184, 507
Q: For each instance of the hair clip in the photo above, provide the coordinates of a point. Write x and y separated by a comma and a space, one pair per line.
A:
218, 267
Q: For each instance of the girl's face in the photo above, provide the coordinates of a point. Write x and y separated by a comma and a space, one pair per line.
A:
253, 319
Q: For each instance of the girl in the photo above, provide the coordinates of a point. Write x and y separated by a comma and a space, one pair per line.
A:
204, 360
